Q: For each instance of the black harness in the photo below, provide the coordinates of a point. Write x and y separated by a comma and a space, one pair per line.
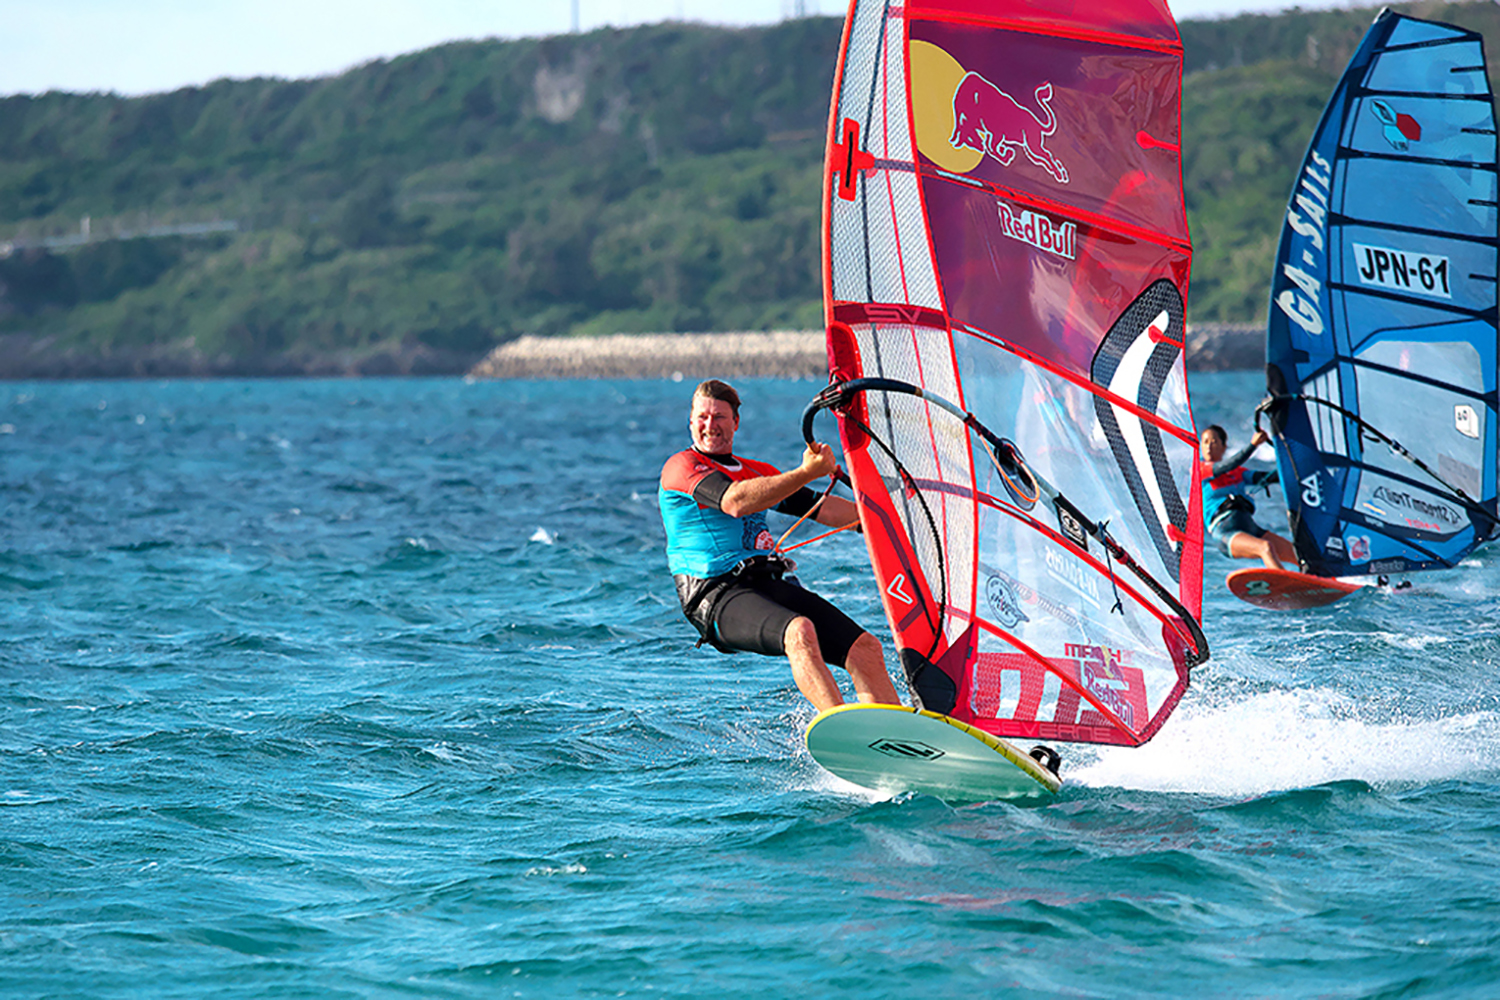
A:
700, 598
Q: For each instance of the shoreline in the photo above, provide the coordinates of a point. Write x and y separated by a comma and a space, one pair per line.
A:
777, 354
781, 354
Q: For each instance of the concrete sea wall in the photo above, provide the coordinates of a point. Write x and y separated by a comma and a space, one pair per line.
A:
689, 356
786, 354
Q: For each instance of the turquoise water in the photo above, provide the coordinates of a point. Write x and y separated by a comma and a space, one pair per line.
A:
379, 689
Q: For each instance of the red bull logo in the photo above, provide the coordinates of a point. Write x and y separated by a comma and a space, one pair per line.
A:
988, 120
1102, 671
1039, 231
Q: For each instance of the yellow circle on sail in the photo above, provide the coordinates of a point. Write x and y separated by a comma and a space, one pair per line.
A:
935, 76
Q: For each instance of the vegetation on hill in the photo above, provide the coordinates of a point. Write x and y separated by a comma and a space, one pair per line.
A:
1253, 91
653, 179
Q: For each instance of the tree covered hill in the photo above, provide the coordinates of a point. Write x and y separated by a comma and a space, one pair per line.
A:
409, 214
1253, 91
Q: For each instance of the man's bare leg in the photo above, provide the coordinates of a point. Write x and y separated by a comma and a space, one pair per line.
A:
812, 675
866, 666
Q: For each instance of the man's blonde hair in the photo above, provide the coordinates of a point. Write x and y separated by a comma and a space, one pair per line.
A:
714, 389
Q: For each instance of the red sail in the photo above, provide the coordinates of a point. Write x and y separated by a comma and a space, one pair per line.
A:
1005, 232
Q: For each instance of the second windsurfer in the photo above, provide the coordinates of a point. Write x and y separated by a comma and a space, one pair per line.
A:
1227, 507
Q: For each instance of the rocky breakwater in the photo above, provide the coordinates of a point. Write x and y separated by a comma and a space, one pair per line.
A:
786, 354
1224, 347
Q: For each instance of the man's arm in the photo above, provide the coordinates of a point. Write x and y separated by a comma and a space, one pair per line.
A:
836, 512
748, 496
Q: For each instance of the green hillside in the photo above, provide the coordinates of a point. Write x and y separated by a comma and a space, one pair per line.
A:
410, 214
1254, 88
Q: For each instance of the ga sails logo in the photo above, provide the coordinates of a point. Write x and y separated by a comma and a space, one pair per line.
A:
1307, 216
1312, 491
1400, 129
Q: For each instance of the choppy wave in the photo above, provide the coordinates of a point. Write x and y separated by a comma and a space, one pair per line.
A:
1283, 740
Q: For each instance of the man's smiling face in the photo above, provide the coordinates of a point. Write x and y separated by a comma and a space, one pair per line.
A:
713, 423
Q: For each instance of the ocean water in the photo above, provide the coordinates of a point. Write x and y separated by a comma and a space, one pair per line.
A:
379, 689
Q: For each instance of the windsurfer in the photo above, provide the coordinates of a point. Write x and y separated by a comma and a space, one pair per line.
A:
734, 589
1227, 507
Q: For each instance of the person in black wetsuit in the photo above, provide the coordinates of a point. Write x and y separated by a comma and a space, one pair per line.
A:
1227, 507
732, 585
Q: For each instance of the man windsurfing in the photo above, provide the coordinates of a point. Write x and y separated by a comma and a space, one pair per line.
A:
733, 587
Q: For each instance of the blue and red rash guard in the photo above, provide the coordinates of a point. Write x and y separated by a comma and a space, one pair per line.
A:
1225, 479
702, 540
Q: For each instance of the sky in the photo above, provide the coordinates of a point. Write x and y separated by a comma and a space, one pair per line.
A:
147, 46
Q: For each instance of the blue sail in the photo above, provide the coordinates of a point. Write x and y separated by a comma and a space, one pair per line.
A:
1381, 340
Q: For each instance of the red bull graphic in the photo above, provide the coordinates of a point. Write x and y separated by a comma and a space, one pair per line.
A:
987, 119
1104, 673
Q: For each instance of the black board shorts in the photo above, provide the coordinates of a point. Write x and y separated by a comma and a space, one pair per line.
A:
1231, 524
753, 615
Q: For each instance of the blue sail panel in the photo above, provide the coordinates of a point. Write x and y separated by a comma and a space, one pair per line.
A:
1414, 31
1381, 338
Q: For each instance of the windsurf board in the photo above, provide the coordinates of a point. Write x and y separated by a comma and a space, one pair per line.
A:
1287, 590
893, 748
